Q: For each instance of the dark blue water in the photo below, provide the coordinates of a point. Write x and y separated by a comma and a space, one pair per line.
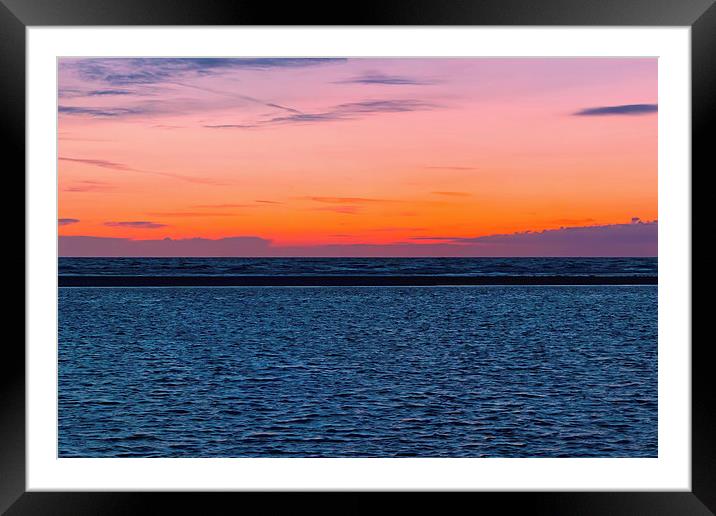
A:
357, 372
358, 266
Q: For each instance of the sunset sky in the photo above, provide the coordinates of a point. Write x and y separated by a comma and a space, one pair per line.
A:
358, 156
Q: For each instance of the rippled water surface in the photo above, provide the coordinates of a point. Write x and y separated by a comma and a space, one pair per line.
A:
346, 372
361, 266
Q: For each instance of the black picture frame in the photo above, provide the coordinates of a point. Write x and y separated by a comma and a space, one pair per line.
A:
16, 15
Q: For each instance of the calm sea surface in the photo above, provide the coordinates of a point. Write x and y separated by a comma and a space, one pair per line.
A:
358, 371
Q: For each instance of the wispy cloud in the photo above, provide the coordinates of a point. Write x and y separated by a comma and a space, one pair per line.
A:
101, 112
69, 93
623, 110
123, 77
353, 205
141, 224
103, 93
144, 71
99, 163
347, 111
122, 167
350, 200
145, 109
385, 79
384, 106
241, 97
394, 229
345, 210
150, 111
453, 194
197, 214
67, 222
72, 93
88, 186
239, 205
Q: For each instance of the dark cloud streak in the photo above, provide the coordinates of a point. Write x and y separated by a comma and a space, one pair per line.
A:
453, 194
140, 224
384, 79
99, 163
623, 110
350, 200
122, 167
102, 93
144, 71
347, 111
102, 112
240, 96
88, 186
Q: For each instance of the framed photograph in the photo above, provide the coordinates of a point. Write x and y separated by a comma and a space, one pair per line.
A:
417, 247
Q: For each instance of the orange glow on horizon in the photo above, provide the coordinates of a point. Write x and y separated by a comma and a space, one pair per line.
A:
328, 154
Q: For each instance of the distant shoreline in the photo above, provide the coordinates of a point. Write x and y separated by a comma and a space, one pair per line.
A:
344, 280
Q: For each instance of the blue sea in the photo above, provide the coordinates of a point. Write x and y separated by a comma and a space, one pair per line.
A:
476, 371
358, 266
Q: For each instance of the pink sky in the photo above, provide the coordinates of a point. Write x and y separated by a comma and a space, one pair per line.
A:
372, 152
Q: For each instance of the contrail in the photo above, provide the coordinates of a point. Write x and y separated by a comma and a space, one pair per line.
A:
240, 96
